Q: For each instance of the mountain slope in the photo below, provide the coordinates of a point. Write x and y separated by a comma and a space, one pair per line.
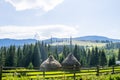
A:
84, 38
94, 38
8, 42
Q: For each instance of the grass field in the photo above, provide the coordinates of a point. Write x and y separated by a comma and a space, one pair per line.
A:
81, 43
84, 74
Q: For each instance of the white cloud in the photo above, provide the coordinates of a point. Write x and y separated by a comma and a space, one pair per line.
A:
39, 32
45, 5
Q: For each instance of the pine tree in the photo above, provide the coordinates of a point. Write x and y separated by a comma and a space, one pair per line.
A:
92, 60
88, 57
36, 59
56, 52
96, 56
119, 54
76, 52
65, 51
82, 56
112, 60
43, 51
103, 59
25, 49
20, 56
2, 53
12, 57
26, 56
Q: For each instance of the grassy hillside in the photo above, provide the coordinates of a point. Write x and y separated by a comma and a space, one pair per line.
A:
81, 43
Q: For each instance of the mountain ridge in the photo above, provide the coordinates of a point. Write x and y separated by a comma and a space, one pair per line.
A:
94, 38
17, 42
20, 42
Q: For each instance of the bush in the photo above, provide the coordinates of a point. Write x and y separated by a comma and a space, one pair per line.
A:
30, 66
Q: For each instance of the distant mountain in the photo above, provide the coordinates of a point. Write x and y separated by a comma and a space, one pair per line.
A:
8, 42
84, 38
94, 38
52, 40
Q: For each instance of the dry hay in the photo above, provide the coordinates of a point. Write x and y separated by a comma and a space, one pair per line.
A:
50, 64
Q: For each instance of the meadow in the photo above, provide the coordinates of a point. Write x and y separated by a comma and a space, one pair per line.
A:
82, 43
83, 74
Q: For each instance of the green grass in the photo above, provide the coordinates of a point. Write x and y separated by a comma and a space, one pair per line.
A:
26, 74
89, 77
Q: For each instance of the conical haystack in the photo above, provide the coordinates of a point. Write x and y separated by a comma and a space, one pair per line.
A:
50, 64
71, 63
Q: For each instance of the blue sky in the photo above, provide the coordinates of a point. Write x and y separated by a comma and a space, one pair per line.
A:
59, 18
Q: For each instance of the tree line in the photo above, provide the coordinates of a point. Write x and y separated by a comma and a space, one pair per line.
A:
35, 54
112, 45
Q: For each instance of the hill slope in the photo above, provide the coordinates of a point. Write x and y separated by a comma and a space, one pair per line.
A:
94, 38
8, 42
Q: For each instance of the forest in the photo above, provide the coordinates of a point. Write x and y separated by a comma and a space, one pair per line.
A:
34, 54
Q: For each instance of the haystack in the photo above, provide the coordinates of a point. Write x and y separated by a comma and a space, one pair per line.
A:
71, 63
50, 64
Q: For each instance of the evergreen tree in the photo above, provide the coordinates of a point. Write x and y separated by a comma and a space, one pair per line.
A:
76, 52
43, 51
50, 50
20, 56
88, 57
96, 57
82, 54
12, 57
36, 60
92, 60
25, 49
112, 60
103, 59
119, 54
56, 53
2, 53
61, 58
26, 56
65, 51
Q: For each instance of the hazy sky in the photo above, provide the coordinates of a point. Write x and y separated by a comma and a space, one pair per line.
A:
59, 18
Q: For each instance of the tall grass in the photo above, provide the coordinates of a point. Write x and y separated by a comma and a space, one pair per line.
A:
87, 77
